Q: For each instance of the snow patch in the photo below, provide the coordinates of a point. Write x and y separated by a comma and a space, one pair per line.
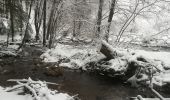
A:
78, 56
38, 89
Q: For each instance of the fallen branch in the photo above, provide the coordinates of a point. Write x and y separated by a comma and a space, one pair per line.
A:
33, 91
14, 88
33, 82
32, 86
157, 94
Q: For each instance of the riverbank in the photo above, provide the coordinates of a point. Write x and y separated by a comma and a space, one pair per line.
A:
134, 66
88, 85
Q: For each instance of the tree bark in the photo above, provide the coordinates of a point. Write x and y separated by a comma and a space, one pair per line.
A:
50, 21
11, 4
74, 28
44, 24
6, 8
107, 50
38, 18
101, 2
110, 19
50, 33
26, 30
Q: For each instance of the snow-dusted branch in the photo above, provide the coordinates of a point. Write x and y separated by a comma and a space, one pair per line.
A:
34, 87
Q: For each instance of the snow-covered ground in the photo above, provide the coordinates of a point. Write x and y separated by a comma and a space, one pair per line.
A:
160, 61
14, 96
79, 57
86, 54
164, 57
9, 51
37, 90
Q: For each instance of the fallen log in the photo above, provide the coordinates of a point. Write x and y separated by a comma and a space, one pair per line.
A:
127, 62
107, 50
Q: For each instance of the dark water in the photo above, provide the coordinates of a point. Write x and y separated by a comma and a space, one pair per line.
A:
87, 86
95, 87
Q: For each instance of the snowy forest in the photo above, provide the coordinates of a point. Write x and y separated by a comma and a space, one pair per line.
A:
84, 49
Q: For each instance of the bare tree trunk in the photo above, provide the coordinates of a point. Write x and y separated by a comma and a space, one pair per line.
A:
54, 21
37, 34
3, 4
110, 19
51, 22
79, 26
51, 40
26, 30
74, 28
7, 38
6, 3
11, 4
101, 2
48, 28
7, 8
44, 24
38, 18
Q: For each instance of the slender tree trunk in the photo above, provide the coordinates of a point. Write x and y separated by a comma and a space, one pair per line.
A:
44, 24
110, 19
3, 4
26, 30
38, 17
6, 10
101, 2
37, 34
79, 26
51, 40
7, 38
6, 5
74, 28
51, 26
12, 18
48, 28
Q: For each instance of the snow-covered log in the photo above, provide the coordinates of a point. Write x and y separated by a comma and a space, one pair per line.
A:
127, 63
107, 50
110, 52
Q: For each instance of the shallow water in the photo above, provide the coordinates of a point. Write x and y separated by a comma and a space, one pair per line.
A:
88, 86
95, 87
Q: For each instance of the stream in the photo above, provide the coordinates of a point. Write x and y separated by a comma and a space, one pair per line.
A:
88, 86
